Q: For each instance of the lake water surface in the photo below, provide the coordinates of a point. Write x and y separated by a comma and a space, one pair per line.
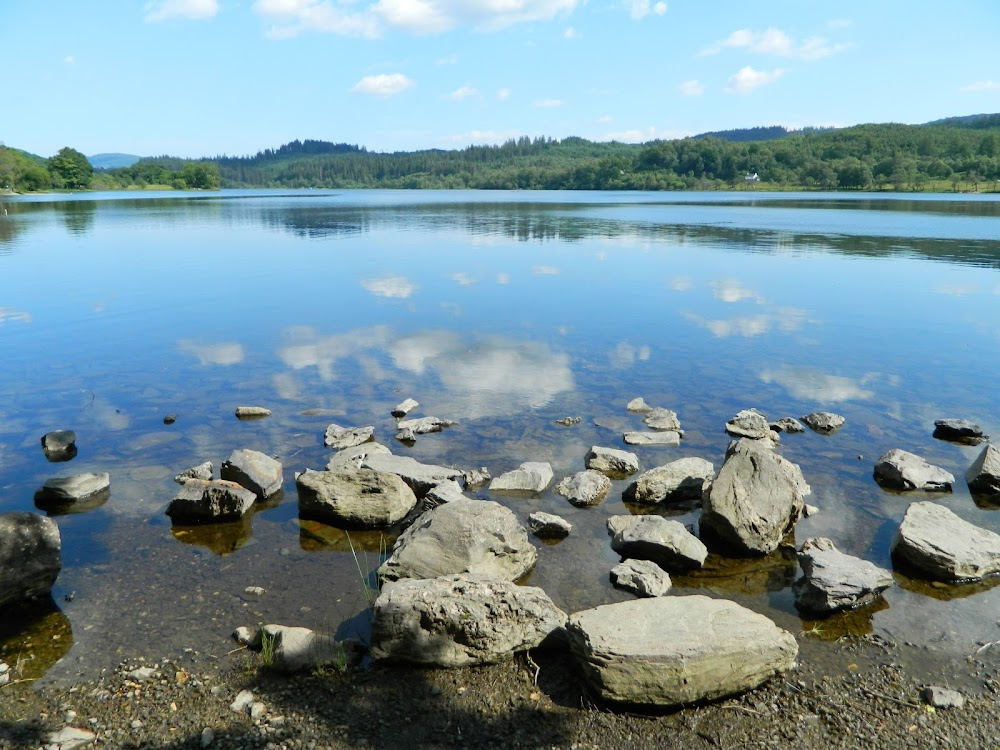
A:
504, 311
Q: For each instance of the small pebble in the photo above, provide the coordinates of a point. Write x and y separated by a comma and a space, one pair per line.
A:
170, 419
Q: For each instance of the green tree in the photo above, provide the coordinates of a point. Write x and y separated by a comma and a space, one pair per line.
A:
71, 168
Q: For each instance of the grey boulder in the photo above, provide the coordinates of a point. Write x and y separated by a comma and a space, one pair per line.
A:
462, 536
74, 494
901, 470
461, 620
59, 445
749, 423
446, 492
256, 471
355, 456
787, 424
585, 488
943, 547
754, 501
612, 462
662, 419
207, 500
531, 476
549, 526
664, 437
824, 422
201, 471
338, 437
424, 425
662, 541
676, 650
404, 407
252, 412
833, 581
983, 476
420, 477
30, 556
641, 577
683, 479
359, 498
638, 406
959, 431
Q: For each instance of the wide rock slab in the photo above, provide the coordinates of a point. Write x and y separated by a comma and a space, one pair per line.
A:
256, 471
462, 536
983, 477
901, 470
420, 477
666, 437
612, 462
942, 546
683, 479
959, 431
662, 419
354, 457
460, 620
832, 580
531, 476
585, 488
74, 494
674, 650
358, 498
338, 437
207, 500
660, 540
754, 501
30, 556
824, 422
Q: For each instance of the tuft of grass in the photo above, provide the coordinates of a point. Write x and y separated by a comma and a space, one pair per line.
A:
371, 592
266, 647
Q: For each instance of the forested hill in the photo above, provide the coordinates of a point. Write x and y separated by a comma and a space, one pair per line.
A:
888, 156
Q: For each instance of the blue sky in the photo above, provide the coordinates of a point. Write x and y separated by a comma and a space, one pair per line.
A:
206, 77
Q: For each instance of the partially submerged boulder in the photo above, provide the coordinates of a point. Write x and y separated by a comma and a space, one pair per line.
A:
749, 423
638, 406
59, 445
30, 557
983, 477
420, 477
612, 462
424, 425
664, 437
959, 431
683, 479
641, 577
256, 471
787, 424
462, 536
74, 494
404, 407
210, 500
943, 547
663, 541
531, 476
460, 620
832, 581
901, 470
676, 650
754, 501
252, 412
358, 498
824, 422
549, 525
338, 437
355, 456
585, 488
662, 419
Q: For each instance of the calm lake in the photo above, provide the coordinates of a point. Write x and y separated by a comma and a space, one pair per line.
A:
504, 312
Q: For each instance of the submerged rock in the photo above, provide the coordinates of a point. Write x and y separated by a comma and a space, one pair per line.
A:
664, 437
463, 536
549, 526
569, 421
585, 488
200, 501
474, 478
424, 425
30, 557
662, 541
254, 470
74, 494
59, 445
404, 407
901, 470
360, 498
531, 476
959, 431
749, 423
612, 462
684, 479
942, 546
461, 620
641, 577
662, 419
832, 580
638, 406
824, 422
983, 477
677, 650
252, 412
338, 437
787, 424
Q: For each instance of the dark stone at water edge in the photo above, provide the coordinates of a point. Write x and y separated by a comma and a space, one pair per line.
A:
30, 557
824, 422
959, 431
201, 500
254, 470
74, 494
901, 470
983, 476
59, 445
833, 581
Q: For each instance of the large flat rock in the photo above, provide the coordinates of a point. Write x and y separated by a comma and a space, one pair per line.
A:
833, 581
74, 494
939, 544
531, 476
660, 540
675, 650
420, 477
901, 470
356, 498
680, 480
210, 500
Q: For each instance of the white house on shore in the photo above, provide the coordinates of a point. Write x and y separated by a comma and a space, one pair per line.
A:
751, 177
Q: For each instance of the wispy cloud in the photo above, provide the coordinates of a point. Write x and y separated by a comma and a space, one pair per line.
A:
451, 59
839, 23
225, 354
503, 95
571, 33
639, 9
691, 88
545, 270
605, 119
294, 17
463, 278
69, 59
776, 42
747, 79
730, 290
815, 385
191, 10
981, 86
384, 84
631, 136
548, 103
463, 92
479, 137
395, 287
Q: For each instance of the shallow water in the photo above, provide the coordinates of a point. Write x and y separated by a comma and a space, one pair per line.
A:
502, 311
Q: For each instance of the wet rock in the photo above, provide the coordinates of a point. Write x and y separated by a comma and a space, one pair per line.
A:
461, 620
901, 470
74, 494
754, 501
424, 425
359, 498
684, 479
252, 412
354, 457
420, 477
295, 649
201, 471
569, 421
832, 580
959, 431
30, 557
675, 650
474, 478
824, 422
665, 437
404, 407
641, 577
787, 424
942, 546
638, 406
612, 462
549, 526
256, 471
170, 419
59, 445
662, 419
531, 476
616, 524
463, 536
983, 477
201, 501
445, 492
662, 541
338, 437
585, 488
941, 697
749, 423
70, 738
405, 435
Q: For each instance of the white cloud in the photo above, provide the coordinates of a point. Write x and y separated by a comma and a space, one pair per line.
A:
227, 353
631, 136
435, 16
9, 313
69, 59
448, 60
479, 137
503, 95
729, 290
192, 10
747, 79
548, 103
384, 84
638, 9
571, 33
681, 283
815, 385
463, 278
605, 119
691, 88
545, 270
504, 278
463, 92
294, 17
625, 354
981, 86
776, 42
396, 287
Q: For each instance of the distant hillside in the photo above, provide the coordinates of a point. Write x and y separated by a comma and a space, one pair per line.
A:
748, 135
112, 161
973, 122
